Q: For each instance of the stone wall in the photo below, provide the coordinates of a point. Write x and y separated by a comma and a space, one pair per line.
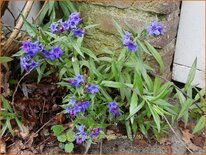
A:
137, 14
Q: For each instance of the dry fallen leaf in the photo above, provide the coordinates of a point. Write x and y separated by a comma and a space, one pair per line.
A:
187, 136
165, 141
25, 133
111, 135
2, 147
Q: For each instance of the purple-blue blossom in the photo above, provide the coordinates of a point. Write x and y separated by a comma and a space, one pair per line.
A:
74, 20
132, 46
114, 108
78, 32
78, 108
81, 137
27, 63
65, 25
55, 53
31, 48
54, 27
92, 88
77, 81
72, 101
155, 29
95, 132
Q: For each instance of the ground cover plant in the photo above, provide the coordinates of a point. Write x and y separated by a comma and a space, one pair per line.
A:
105, 89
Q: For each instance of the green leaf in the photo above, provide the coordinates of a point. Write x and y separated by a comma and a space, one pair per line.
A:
200, 125
136, 109
113, 84
5, 59
191, 75
70, 136
185, 107
6, 105
163, 103
31, 29
155, 116
144, 48
76, 47
129, 131
69, 147
51, 6
19, 53
89, 53
57, 129
133, 104
62, 138
91, 26
156, 55
118, 27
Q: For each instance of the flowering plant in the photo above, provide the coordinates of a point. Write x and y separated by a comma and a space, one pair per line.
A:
101, 90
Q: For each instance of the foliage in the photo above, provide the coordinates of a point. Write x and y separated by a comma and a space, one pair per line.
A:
106, 89
6, 116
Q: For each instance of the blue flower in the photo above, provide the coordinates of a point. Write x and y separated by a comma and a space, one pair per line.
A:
27, 63
92, 88
54, 27
95, 132
81, 128
127, 36
114, 108
85, 105
65, 25
56, 53
72, 112
155, 29
74, 20
81, 137
72, 102
78, 32
76, 82
31, 48
132, 46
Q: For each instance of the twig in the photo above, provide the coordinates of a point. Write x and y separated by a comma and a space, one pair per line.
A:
40, 11
100, 148
8, 26
19, 25
155, 74
12, 101
88, 145
177, 135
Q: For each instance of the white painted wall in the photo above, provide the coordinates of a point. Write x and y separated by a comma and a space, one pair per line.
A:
190, 43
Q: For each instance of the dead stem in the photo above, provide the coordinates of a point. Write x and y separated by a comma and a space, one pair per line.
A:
177, 135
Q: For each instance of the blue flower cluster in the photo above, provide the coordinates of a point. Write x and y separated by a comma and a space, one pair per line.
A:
27, 63
155, 29
75, 108
114, 108
32, 48
70, 24
82, 136
55, 53
79, 79
132, 46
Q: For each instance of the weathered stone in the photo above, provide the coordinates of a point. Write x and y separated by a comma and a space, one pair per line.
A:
167, 56
159, 7
139, 15
170, 28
